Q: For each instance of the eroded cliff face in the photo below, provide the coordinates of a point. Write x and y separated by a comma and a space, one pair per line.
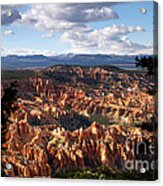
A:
42, 138
120, 97
35, 151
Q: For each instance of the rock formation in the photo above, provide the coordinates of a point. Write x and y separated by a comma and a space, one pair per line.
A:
39, 151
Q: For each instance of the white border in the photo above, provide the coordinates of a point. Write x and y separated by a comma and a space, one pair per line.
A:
62, 182
58, 1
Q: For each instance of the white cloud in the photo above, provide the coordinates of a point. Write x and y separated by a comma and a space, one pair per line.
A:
108, 40
69, 16
8, 32
71, 19
2, 52
27, 51
9, 14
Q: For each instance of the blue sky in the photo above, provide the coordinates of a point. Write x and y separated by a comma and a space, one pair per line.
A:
52, 29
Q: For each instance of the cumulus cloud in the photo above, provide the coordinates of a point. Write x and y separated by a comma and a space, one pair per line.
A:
107, 40
67, 16
8, 32
72, 21
9, 14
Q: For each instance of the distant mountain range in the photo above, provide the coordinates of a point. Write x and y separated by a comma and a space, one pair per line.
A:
40, 61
